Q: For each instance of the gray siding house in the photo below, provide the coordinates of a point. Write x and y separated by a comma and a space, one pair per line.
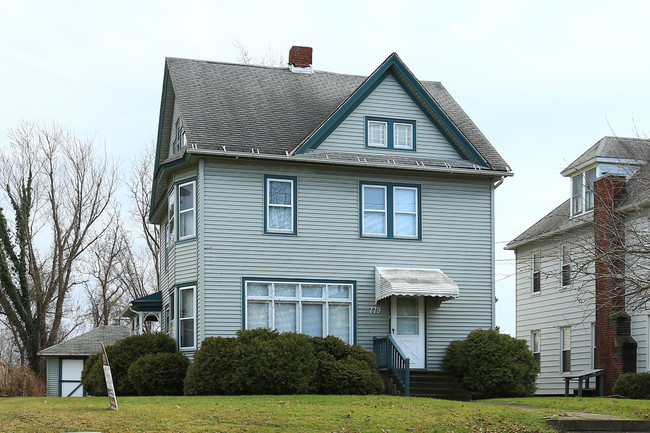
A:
322, 203
572, 309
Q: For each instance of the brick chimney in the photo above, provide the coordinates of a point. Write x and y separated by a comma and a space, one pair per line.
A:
300, 59
615, 347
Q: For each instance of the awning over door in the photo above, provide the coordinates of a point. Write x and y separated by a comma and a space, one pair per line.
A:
414, 282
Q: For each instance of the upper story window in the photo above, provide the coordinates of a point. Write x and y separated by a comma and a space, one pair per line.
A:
582, 192
179, 136
537, 272
171, 217
280, 204
186, 210
390, 211
390, 133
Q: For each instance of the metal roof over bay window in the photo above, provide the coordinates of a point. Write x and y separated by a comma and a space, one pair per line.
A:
414, 282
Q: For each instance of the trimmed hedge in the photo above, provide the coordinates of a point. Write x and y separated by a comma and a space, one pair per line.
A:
633, 385
261, 361
490, 364
121, 355
159, 373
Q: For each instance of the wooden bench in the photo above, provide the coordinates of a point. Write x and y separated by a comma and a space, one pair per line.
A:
584, 376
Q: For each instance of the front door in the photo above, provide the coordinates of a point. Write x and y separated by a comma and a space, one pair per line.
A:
407, 327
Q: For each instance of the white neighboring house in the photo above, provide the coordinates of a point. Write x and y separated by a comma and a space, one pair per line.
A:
569, 329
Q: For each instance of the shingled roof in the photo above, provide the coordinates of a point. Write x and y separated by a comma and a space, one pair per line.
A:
620, 148
237, 107
89, 343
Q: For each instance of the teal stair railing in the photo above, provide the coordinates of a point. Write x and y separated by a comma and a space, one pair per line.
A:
390, 357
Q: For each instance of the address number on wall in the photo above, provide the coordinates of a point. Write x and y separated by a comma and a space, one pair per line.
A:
375, 310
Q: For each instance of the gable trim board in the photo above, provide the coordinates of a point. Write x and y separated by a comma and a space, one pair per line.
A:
394, 67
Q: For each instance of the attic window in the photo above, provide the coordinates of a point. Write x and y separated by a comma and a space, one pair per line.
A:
390, 133
582, 192
180, 140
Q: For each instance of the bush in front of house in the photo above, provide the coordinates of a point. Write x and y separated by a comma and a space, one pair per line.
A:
159, 373
120, 357
633, 385
261, 361
20, 381
490, 364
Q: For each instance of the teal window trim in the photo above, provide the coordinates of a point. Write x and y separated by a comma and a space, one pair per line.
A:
389, 133
173, 235
353, 301
191, 211
175, 316
180, 319
293, 180
390, 210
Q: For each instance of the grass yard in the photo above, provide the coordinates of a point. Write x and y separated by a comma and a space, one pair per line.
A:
311, 413
631, 409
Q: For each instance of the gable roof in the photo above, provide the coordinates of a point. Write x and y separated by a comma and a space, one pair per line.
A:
89, 343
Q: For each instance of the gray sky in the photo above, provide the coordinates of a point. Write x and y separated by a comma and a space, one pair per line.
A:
543, 80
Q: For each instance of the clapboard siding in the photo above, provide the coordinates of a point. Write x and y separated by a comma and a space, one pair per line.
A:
388, 100
640, 330
52, 365
328, 247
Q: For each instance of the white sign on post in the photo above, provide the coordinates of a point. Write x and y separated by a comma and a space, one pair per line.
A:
112, 398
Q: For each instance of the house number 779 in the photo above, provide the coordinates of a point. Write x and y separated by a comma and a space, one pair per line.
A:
375, 310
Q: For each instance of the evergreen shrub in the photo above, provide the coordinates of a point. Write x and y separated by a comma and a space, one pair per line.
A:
159, 373
633, 385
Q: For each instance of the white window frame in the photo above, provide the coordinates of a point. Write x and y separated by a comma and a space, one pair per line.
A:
172, 314
565, 346
395, 213
269, 205
371, 137
409, 144
582, 193
592, 340
535, 346
536, 274
171, 217
181, 319
565, 266
191, 210
299, 300
364, 210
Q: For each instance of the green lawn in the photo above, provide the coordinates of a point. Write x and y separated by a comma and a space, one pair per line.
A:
310, 413
632, 409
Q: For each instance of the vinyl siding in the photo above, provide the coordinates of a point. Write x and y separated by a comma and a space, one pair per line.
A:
52, 372
456, 238
640, 328
388, 100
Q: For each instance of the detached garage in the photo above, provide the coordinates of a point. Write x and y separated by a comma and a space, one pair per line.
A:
66, 360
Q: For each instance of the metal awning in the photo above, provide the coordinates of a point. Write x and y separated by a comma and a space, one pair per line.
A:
414, 282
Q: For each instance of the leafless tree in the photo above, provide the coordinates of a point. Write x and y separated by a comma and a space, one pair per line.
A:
269, 58
58, 188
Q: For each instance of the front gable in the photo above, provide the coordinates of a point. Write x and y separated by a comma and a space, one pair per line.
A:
393, 95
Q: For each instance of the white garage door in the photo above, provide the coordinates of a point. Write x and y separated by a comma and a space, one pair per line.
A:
71, 377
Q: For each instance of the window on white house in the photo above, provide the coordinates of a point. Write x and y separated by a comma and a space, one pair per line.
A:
535, 345
377, 134
186, 210
312, 308
582, 192
565, 346
186, 317
537, 272
280, 193
565, 265
593, 346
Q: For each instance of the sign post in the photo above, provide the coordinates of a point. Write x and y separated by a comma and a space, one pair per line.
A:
112, 398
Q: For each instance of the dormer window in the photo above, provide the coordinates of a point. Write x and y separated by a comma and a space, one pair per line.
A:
179, 137
582, 192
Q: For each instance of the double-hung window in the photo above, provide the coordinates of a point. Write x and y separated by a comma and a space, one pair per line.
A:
186, 317
582, 192
280, 204
537, 272
565, 349
390, 210
390, 133
171, 217
186, 210
314, 308
535, 344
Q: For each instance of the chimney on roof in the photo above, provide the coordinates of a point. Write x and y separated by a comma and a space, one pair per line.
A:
300, 59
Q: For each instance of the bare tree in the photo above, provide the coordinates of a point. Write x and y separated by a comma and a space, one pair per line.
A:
269, 58
58, 189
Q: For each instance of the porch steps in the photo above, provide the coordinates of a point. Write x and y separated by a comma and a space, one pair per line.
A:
436, 384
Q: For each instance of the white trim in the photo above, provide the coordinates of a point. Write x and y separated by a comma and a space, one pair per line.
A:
415, 213
371, 136
409, 144
186, 211
384, 212
533, 271
291, 206
192, 317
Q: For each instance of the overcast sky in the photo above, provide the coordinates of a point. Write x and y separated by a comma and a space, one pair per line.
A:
543, 80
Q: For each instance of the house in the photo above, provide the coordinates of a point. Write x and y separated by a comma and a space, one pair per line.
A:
576, 270
65, 361
322, 203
